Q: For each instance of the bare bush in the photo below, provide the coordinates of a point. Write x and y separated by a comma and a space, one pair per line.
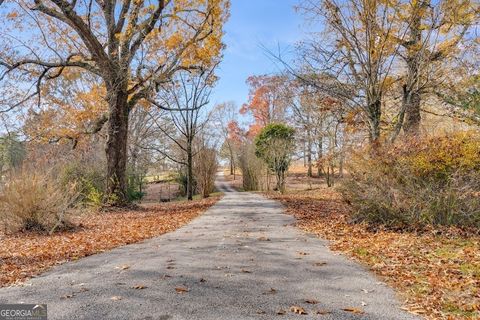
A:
35, 201
205, 167
434, 181
253, 168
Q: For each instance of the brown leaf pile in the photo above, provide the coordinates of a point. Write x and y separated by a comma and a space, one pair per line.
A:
438, 274
27, 254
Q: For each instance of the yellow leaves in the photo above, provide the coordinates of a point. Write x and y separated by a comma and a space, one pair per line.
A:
440, 155
459, 12
68, 111
173, 41
388, 82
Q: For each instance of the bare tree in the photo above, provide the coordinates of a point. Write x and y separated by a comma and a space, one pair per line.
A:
352, 58
223, 115
185, 98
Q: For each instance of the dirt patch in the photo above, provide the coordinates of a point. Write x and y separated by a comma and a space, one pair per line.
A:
163, 191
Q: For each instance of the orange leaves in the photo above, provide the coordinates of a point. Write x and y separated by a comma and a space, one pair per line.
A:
266, 100
353, 310
27, 254
437, 274
182, 289
12, 15
298, 310
235, 133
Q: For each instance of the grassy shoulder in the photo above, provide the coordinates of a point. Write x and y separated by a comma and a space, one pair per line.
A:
436, 272
24, 255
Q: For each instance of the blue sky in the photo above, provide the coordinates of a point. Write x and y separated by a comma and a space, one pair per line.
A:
253, 24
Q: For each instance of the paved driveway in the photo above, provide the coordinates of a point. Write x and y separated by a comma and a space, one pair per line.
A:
242, 259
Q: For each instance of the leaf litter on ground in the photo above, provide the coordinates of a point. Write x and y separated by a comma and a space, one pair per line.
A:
437, 273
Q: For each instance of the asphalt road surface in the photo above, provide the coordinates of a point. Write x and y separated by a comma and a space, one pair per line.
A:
242, 259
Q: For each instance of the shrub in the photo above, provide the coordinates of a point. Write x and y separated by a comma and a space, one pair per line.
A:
33, 201
434, 181
253, 168
205, 168
275, 145
89, 179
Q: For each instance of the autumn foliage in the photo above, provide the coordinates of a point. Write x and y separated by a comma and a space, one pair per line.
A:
266, 101
431, 181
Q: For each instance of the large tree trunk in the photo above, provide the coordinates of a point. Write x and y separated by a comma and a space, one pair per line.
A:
412, 98
412, 113
116, 149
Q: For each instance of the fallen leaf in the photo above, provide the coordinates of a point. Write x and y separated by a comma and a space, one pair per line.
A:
311, 301
353, 310
271, 291
319, 264
139, 287
323, 312
298, 310
424, 267
246, 271
263, 239
281, 312
181, 289
123, 267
